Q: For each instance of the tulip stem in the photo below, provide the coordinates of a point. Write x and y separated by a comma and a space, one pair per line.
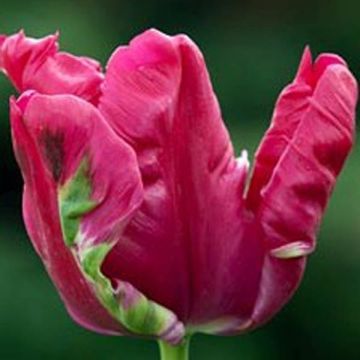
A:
178, 352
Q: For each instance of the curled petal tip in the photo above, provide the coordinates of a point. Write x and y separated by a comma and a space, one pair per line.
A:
310, 72
292, 250
323, 62
305, 65
326, 59
37, 64
24, 98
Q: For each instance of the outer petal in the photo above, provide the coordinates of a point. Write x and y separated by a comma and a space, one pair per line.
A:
185, 247
82, 186
295, 171
289, 112
36, 64
41, 218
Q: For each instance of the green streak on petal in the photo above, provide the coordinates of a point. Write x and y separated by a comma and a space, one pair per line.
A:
141, 316
74, 202
220, 326
126, 304
213, 327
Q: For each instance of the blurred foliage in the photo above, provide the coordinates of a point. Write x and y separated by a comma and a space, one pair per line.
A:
252, 49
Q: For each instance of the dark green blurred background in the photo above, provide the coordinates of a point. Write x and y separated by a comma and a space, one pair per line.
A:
252, 50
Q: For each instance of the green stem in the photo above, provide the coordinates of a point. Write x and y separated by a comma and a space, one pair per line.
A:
179, 352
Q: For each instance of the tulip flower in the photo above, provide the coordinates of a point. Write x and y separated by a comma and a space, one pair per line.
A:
144, 218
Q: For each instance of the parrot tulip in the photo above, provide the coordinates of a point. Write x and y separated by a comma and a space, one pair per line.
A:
145, 220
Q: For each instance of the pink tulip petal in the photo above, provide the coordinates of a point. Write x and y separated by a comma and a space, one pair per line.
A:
51, 135
289, 111
295, 171
302, 153
189, 232
36, 64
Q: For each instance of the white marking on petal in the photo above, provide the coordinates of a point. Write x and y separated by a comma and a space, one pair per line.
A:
243, 160
293, 250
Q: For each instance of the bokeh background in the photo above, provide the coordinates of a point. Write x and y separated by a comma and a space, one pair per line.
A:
252, 50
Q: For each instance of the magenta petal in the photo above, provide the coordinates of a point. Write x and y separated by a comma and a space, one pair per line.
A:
303, 151
295, 171
67, 131
181, 248
290, 110
52, 134
36, 64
